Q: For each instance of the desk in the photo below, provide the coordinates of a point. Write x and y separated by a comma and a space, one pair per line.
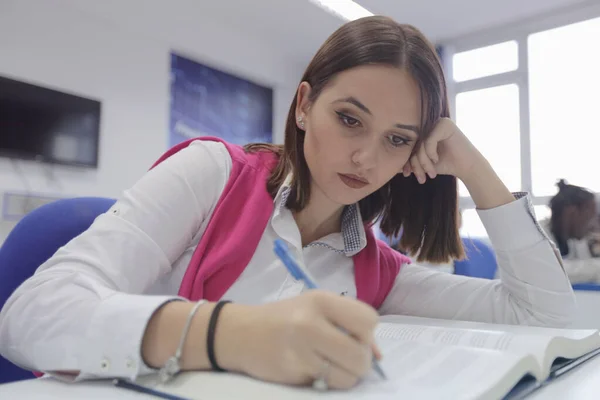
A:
50, 389
588, 310
582, 384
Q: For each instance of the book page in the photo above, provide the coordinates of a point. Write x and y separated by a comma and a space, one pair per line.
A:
575, 334
520, 345
504, 341
429, 371
415, 371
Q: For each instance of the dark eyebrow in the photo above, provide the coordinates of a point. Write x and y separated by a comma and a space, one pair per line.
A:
408, 127
354, 101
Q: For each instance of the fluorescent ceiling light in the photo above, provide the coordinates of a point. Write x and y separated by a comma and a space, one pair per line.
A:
346, 9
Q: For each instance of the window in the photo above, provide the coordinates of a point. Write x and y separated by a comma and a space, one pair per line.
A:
528, 99
485, 61
490, 119
542, 212
472, 227
564, 93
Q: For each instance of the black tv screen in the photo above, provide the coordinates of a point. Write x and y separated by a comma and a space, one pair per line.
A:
46, 125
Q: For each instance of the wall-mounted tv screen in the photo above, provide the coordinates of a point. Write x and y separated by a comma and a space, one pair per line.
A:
46, 125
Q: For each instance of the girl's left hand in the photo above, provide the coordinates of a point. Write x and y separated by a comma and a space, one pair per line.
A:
447, 151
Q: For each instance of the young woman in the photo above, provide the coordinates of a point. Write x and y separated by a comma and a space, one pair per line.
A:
367, 136
574, 216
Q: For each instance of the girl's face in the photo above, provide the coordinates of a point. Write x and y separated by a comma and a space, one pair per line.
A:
360, 131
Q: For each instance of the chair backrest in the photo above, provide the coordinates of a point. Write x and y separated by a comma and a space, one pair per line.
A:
590, 287
33, 241
480, 261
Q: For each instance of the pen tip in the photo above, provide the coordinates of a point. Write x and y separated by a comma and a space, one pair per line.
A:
379, 370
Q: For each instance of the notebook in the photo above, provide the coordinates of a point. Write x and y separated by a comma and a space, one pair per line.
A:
428, 359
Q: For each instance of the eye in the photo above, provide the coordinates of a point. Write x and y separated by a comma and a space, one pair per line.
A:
348, 120
398, 141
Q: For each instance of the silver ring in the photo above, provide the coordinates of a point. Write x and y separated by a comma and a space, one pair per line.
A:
320, 383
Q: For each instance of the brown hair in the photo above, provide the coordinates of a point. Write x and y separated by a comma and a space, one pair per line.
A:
427, 213
568, 195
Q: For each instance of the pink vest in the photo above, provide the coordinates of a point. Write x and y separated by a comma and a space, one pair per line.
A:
237, 225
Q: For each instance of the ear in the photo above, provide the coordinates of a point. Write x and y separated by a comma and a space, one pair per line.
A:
303, 102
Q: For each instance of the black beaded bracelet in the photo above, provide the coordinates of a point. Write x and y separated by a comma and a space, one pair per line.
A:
210, 337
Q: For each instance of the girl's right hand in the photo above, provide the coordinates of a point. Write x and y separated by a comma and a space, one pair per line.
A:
296, 340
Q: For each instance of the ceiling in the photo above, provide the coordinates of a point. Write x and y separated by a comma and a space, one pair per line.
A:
446, 19
296, 28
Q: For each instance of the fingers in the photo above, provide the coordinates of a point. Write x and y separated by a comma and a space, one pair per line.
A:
407, 170
335, 376
377, 352
356, 318
426, 163
422, 164
418, 169
431, 150
343, 350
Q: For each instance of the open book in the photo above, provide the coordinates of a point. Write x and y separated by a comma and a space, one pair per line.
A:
430, 359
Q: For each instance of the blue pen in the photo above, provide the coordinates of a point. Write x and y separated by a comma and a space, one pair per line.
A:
300, 273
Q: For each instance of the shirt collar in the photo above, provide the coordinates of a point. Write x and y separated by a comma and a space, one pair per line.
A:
353, 229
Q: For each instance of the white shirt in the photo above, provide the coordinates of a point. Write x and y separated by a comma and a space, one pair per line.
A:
87, 307
579, 264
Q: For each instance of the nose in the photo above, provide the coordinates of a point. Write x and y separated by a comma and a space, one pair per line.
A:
365, 155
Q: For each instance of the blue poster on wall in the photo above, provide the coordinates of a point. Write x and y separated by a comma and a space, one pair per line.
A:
209, 102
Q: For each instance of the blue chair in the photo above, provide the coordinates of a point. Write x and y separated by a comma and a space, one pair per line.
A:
480, 260
33, 241
590, 287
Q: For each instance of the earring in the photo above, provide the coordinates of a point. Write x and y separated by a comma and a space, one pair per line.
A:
301, 122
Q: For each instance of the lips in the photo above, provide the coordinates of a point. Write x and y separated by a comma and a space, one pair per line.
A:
353, 181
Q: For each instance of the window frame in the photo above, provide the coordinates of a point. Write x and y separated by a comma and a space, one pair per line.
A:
519, 32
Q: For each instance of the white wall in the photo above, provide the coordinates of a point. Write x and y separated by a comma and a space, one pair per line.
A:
71, 46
